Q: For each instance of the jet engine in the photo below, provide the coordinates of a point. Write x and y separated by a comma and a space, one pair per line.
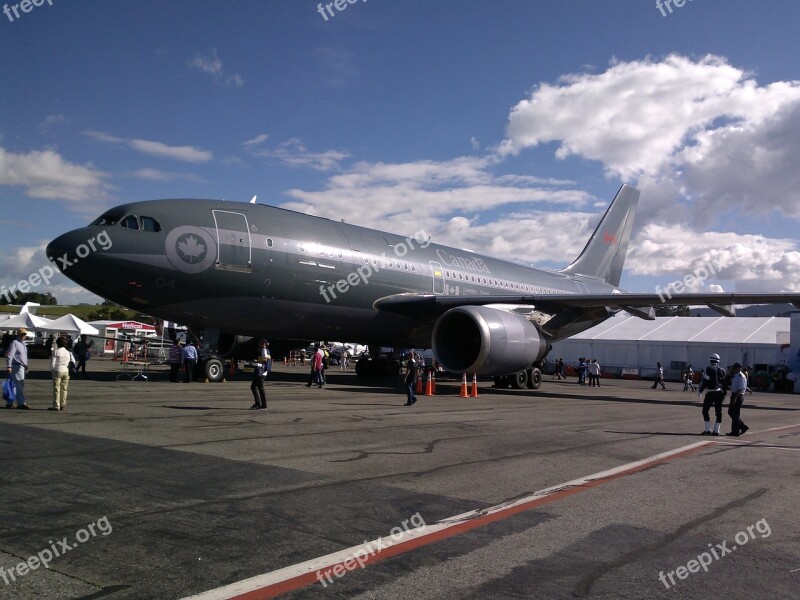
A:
486, 341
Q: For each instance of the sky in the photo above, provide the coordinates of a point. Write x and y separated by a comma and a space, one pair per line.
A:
501, 127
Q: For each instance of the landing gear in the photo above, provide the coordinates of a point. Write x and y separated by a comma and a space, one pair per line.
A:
214, 370
534, 378
519, 380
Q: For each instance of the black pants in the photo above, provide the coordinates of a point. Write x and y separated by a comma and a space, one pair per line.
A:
189, 368
174, 369
257, 387
661, 381
734, 408
715, 399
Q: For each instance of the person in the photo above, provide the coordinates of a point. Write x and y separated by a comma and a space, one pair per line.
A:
714, 382
659, 377
581, 371
688, 381
325, 362
49, 345
313, 375
81, 351
59, 366
316, 367
738, 387
594, 373
343, 359
174, 360
259, 374
559, 370
189, 356
17, 366
411, 379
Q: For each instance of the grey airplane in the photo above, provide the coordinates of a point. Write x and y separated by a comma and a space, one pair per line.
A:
231, 271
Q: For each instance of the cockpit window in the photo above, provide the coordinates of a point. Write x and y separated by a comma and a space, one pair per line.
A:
109, 218
130, 222
150, 224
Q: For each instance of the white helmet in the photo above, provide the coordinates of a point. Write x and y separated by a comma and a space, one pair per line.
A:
714, 358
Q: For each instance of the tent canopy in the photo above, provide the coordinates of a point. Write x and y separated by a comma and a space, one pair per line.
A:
71, 324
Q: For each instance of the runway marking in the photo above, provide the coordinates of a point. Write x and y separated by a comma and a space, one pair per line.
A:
294, 577
303, 574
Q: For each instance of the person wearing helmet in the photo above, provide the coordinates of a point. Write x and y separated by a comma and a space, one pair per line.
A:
713, 383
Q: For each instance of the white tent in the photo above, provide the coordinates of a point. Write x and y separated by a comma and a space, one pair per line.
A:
26, 320
629, 342
71, 324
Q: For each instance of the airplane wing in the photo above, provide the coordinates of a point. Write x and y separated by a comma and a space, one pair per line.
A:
640, 305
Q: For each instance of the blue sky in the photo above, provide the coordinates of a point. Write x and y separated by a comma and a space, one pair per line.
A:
503, 127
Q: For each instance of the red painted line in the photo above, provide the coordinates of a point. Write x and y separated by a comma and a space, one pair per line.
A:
440, 531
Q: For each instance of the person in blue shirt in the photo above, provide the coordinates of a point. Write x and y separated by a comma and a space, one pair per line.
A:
189, 356
17, 366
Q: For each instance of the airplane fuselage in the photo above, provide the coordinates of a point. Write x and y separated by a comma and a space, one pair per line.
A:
253, 269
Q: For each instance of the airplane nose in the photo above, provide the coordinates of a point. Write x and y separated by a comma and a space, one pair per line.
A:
63, 244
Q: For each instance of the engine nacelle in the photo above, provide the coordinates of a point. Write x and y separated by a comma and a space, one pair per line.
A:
486, 341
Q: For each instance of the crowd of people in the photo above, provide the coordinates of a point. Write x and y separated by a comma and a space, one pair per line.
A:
67, 359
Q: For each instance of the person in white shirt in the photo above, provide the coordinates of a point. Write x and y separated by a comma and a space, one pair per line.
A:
59, 365
738, 387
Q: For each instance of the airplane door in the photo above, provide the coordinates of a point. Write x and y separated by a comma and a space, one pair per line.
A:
234, 251
438, 277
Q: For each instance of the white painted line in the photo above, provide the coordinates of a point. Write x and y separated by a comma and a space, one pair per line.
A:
302, 574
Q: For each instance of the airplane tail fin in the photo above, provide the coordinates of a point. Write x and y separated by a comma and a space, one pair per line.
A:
604, 254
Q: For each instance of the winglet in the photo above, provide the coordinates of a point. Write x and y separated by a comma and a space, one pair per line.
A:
604, 254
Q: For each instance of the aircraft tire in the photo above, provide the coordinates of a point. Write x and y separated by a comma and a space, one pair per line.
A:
519, 380
534, 379
214, 370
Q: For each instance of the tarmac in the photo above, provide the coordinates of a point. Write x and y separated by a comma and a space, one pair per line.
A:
151, 489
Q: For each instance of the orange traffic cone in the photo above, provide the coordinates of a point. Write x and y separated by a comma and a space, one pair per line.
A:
463, 393
429, 386
419, 384
433, 383
232, 369
474, 393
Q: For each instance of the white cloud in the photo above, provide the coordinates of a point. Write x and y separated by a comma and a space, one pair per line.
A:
158, 175
189, 154
184, 153
256, 141
45, 174
637, 116
212, 65
755, 263
705, 141
295, 154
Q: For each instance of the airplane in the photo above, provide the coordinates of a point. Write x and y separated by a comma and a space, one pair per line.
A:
231, 271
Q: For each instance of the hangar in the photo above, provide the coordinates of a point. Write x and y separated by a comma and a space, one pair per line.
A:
625, 345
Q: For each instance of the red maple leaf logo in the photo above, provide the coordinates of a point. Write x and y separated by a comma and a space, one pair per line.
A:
609, 238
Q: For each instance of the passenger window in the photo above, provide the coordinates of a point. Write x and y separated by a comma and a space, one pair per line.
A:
150, 224
130, 222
